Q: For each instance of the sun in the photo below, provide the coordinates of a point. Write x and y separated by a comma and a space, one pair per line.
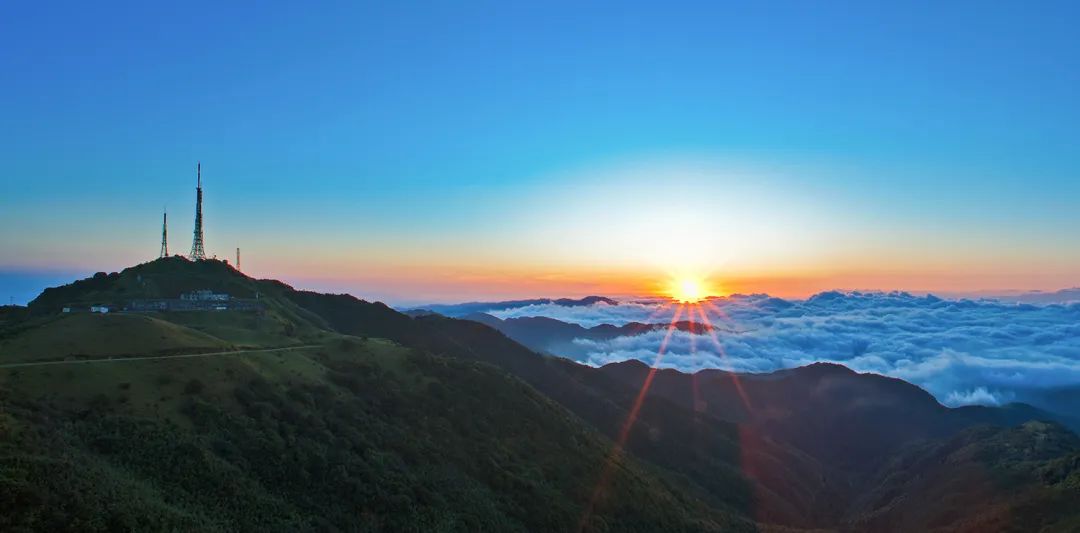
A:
688, 290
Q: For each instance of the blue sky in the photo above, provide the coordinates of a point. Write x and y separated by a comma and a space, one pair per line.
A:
364, 147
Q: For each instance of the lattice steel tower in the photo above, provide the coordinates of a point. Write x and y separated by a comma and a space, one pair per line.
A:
197, 251
164, 235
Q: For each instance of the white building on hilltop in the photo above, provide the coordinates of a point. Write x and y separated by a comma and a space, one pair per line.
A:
205, 296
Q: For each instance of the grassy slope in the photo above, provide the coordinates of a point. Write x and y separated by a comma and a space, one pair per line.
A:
94, 335
243, 329
359, 434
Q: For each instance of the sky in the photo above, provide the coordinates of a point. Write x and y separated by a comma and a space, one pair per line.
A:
448, 151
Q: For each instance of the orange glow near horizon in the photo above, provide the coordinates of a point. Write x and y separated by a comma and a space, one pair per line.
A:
688, 289
419, 280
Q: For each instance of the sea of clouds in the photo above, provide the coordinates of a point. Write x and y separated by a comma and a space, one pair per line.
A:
962, 351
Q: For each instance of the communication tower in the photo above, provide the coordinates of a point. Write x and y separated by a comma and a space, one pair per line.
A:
197, 251
164, 235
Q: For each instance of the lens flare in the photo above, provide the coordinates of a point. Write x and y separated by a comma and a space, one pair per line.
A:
690, 299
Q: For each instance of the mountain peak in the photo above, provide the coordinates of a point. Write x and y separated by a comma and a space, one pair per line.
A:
166, 277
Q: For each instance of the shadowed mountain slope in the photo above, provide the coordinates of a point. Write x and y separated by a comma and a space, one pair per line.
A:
983, 479
807, 439
829, 411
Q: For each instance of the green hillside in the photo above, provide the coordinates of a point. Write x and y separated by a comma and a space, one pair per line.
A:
353, 434
85, 335
278, 323
163, 278
357, 433
983, 479
330, 413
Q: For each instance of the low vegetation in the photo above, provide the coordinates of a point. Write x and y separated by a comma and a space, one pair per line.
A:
357, 435
369, 420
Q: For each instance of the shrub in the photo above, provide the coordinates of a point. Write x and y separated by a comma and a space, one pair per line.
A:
194, 387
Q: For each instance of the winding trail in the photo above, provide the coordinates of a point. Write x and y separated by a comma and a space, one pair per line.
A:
154, 357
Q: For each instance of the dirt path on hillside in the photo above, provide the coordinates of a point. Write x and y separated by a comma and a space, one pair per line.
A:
154, 357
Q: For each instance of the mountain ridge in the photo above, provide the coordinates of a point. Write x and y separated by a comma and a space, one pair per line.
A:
459, 309
792, 449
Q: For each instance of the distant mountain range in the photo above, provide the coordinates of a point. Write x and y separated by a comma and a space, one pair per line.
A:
369, 419
1062, 296
552, 336
462, 309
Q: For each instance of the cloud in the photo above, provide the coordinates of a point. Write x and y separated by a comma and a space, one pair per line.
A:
962, 351
589, 315
977, 396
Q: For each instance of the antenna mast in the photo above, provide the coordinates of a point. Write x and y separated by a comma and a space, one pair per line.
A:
197, 251
164, 235
237, 258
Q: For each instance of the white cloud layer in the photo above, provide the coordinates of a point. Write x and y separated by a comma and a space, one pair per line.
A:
962, 351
